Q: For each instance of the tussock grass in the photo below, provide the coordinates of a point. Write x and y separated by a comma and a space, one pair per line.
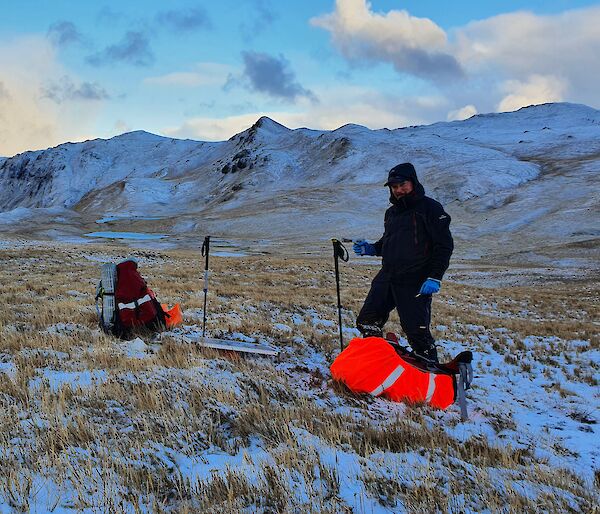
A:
127, 438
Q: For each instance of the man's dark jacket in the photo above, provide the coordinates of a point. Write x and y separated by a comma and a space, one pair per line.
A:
416, 242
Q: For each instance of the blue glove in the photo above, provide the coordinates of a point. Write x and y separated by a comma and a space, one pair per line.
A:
430, 286
361, 247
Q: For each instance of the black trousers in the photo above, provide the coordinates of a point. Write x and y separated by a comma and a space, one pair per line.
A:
414, 312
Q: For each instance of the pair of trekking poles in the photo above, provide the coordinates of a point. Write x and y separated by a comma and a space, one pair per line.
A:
339, 253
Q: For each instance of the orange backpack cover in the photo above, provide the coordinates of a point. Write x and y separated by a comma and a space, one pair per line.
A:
173, 316
372, 365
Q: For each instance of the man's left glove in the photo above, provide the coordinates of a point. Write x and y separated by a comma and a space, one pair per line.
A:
430, 286
361, 247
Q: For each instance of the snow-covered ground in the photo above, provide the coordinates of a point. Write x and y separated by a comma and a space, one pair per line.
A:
91, 423
94, 424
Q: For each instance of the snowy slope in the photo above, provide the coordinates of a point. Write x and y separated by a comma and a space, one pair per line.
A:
158, 424
512, 181
62, 176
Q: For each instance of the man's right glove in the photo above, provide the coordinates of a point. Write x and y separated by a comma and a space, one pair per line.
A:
361, 247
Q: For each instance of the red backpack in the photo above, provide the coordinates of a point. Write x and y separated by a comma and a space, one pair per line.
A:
136, 303
128, 302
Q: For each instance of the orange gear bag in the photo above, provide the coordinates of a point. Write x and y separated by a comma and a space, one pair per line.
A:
372, 365
173, 316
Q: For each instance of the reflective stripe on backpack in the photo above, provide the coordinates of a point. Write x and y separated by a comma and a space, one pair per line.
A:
395, 375
430, 388
389, 381
136, 303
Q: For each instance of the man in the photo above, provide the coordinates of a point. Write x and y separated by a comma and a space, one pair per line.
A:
415, 248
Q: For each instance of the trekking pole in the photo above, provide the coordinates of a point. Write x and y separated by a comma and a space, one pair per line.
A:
339, 252
205, 251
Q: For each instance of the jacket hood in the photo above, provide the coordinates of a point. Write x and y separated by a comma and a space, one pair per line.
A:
399, 173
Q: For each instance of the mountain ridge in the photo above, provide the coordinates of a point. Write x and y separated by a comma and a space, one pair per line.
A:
530, 108
272, 182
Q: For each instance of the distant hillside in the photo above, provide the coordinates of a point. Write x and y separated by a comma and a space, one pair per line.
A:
514, 183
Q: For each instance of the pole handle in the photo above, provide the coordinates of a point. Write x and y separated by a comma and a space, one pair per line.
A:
339, 250
206, 250
339, 253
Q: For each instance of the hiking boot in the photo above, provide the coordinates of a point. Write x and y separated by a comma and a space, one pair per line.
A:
369, 330
428, 354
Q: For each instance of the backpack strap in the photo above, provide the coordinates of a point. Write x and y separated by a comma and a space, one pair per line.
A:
465, 378
106, 293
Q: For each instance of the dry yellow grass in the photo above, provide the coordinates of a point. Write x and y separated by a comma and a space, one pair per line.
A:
124, 440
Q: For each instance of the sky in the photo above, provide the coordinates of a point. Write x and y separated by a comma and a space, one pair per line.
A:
71, 71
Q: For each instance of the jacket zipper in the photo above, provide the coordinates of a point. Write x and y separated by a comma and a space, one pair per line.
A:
414, 217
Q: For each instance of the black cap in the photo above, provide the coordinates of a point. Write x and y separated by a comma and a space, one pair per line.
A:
400, 173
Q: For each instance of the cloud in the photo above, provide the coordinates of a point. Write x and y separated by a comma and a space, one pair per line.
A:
413, 45
203, 74
369, 107
64, 33
272, 76
184, 20
4, 94
505, 61
517, 41
212, 129
28, 121
180, 78
537, 89
122, 126
518, 46
108, 16
65, 90
463, 113
265, 16
133, 49
337, 107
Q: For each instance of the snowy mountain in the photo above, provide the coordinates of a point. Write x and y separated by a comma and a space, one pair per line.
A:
514, 183
160, 423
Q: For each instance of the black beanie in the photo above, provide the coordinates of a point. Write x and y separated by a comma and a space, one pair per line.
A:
400, 173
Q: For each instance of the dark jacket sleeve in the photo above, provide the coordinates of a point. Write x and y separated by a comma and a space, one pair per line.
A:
379, 244
438, 225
